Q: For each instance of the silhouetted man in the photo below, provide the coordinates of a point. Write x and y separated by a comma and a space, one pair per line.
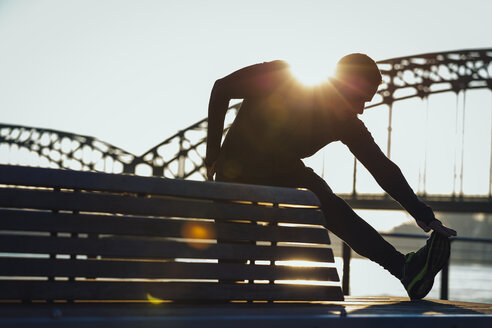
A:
282, 121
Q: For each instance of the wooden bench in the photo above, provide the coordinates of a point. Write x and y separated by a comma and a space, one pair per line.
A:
69, 236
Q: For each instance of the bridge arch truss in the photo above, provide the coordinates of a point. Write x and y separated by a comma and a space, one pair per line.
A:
182, 155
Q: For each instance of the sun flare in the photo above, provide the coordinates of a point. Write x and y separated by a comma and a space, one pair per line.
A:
311, 73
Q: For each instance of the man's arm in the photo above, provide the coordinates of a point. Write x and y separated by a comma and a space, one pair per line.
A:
217, 108
391, 179
250, 81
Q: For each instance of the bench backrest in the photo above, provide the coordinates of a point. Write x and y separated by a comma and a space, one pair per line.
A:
85, 236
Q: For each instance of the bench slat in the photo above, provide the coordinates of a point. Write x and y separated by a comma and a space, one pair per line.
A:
103, 224
159, 270
95, 290
42, 177
108, 203
138, 248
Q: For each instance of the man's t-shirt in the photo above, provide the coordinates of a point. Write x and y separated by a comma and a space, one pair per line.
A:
276, 128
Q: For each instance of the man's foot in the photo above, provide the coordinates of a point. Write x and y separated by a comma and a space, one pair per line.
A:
422, 266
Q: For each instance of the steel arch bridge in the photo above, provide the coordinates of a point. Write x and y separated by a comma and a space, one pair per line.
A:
182, 155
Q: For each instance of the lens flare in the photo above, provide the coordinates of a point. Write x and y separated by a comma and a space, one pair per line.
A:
154, 300
193, 230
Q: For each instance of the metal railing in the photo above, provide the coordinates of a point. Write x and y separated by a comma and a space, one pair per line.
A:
347, 255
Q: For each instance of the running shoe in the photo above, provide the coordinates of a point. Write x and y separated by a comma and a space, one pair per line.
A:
422, 266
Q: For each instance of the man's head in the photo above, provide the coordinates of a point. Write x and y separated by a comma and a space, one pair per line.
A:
357, 78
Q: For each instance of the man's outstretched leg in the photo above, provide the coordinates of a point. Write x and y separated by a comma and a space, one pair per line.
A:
415, 270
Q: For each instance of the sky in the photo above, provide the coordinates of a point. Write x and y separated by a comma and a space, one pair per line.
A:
133, 73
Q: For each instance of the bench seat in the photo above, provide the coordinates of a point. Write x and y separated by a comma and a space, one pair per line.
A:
71, 236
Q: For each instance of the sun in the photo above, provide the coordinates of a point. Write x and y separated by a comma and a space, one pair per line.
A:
311, 73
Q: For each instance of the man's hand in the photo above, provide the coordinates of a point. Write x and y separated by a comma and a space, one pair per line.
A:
437, 226
210, 171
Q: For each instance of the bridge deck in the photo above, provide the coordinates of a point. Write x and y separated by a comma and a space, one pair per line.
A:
442, 203
353, 312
